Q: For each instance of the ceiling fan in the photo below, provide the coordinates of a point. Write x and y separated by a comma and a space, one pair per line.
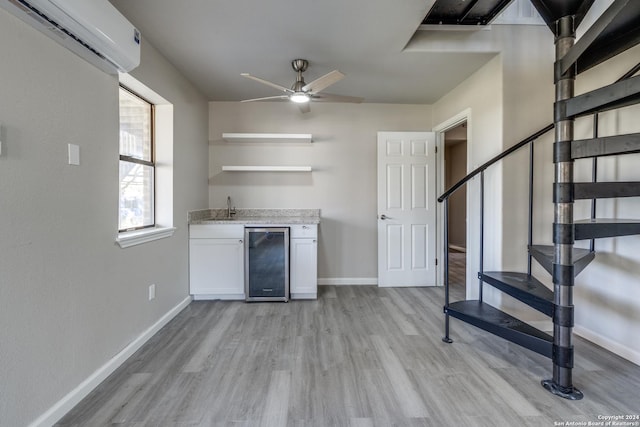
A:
302, 92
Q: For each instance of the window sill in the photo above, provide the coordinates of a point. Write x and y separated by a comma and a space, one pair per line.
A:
138, 237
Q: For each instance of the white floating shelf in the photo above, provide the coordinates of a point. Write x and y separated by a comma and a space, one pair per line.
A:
302, 137
266, 168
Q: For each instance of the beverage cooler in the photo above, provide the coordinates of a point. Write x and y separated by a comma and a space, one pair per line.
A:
266, 264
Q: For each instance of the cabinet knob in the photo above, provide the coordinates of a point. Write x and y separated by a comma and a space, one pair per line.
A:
315, 241
240, 241
305, 227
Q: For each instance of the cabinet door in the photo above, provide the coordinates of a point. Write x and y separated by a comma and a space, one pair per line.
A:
304, 268
216, 268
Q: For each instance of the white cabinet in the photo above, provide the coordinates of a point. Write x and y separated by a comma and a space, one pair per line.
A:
303, 252
216, 261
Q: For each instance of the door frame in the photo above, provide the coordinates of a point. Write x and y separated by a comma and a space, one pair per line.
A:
440, 129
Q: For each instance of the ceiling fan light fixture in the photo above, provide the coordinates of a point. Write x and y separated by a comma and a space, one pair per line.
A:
300, 97
302, 93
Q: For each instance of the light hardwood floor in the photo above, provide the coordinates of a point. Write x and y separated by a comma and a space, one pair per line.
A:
457, 269
358, 356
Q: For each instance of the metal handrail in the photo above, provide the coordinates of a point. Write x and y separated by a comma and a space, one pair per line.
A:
497, 158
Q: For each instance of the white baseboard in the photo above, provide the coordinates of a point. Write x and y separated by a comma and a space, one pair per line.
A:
348, 281
221, 297
304, 295
604, 342
64, 405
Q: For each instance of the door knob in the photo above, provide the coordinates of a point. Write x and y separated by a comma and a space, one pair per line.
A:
383, 217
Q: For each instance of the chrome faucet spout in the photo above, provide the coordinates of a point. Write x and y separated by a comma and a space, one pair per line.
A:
230, 211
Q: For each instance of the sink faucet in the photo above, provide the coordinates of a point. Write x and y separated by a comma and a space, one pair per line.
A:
230, 211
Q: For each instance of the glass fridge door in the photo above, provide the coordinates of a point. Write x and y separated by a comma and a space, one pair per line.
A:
267, 264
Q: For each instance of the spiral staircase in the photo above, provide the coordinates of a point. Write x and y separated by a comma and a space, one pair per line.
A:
615, 31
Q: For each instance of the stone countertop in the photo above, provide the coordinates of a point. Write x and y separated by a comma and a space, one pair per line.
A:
256, 216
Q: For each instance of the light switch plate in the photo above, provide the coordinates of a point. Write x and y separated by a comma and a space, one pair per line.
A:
74, 154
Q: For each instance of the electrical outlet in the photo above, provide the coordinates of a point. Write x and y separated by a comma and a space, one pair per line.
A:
152, 291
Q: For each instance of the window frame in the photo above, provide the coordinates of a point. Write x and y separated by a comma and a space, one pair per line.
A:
131, 159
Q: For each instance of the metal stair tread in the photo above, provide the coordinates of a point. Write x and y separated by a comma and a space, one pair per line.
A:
497, 322
605, 190
522, 286
544, 255
615, 31
605, 227
605, 146
608, 221
615, 95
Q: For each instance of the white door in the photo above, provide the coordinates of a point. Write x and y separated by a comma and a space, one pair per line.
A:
406, 209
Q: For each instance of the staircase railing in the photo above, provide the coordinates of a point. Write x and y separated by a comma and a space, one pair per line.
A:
489, 163
444, 198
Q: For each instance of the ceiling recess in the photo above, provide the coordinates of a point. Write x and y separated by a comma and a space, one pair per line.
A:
461, 12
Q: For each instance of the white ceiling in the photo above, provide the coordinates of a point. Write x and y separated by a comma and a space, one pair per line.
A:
212, 41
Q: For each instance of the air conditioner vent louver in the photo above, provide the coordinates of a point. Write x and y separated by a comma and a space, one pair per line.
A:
54, 27
94, 30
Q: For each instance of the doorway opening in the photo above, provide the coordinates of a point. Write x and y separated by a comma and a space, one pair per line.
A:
455, 168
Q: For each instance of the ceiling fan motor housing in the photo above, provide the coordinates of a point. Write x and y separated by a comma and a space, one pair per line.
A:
298, 85
300, 65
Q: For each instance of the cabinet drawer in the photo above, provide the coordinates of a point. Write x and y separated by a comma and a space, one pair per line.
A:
216, 231
302, 231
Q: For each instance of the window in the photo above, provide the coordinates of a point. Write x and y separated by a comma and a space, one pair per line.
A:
146, 164
137, 162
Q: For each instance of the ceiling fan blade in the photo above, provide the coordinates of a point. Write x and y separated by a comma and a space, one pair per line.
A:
329, 97
323, 82
305, 108
268, 98
266, 82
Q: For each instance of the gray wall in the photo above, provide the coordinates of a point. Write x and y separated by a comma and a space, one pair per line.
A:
70, 298
343, 183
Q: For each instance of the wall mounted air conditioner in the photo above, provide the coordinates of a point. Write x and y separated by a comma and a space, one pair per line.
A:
93, 29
